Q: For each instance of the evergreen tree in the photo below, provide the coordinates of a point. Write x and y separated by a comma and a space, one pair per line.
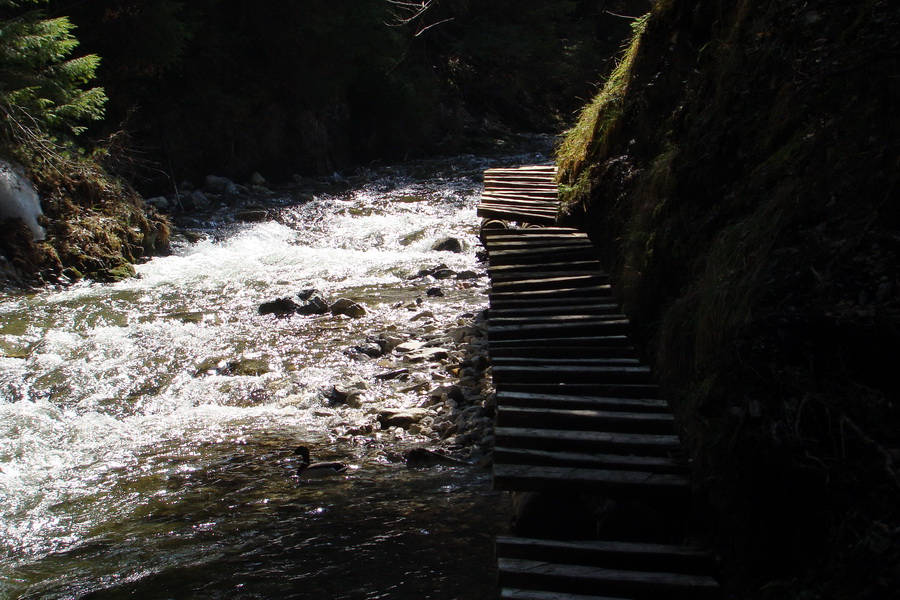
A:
42, 90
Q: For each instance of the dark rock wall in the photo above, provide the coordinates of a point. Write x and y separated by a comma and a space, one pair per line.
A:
742, 185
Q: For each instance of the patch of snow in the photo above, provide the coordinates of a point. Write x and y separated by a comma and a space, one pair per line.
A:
19, 199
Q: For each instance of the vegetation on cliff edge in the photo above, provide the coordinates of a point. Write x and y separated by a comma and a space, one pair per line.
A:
95, 223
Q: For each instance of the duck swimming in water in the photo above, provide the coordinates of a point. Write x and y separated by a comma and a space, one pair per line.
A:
311, 470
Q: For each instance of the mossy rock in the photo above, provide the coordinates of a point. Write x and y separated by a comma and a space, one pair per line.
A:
113, 274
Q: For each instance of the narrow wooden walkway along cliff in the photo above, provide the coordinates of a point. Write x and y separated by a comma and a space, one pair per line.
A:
578, 414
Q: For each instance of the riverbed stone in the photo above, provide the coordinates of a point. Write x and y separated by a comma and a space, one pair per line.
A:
449, 244
345, 306
279, 307
219, 185
401, 417
316, 305
427, 354
410, 346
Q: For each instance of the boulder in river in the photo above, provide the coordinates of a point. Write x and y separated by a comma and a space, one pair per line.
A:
316, 305
279, 307
345, 306
450, 244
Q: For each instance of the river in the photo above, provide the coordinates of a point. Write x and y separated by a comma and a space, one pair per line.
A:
147, 427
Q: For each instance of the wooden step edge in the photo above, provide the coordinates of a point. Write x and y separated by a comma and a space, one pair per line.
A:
519, 594
639, 585
588, 460
641, 555
536, 438
529, 400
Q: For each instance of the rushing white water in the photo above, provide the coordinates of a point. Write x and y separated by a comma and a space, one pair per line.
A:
121, 402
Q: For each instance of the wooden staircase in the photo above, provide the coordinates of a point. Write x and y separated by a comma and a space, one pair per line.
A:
578, 413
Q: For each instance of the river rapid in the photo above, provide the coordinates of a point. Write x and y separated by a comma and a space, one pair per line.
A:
147, 427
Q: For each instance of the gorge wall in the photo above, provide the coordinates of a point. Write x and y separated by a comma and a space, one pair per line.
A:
739, 171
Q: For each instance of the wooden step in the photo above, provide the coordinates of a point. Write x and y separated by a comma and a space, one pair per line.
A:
614, 390
580, 579
563, 373
611, 554
585, 420
549, 283
497, 319
561, 351
598, 341
542, 241
516, 216
539, 256
572, 480
592, 308
563, 361
601, 442
543, 231
600, 293
574, 402
586, 460
517, 594
557, 269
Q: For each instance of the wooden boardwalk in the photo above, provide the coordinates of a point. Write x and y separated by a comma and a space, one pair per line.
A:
578, 414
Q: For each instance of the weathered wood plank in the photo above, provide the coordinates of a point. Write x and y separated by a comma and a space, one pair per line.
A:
626, 484
548, 283
583, 419
609, 462
595, 327
638, 585
564, 361
611, 554
534, 319
537, 400
613, 390
541, 231
597, 292
517, 594
588, 308
588, 441
577, 351
518, 216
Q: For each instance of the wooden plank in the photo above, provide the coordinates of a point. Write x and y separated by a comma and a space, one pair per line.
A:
597, 291
610, 462
548, 283
564, 361
568, 242
626, 484
569, 374
613, 390
541, 254
537, 271
595, 326
517, 594
587, 308
528, 399
518, 216
638, 585
587, 441
582, 419
498, 320
598, 341
611, 554
539, 232
561, 351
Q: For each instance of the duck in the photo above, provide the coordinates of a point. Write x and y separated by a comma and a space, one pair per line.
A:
311, 470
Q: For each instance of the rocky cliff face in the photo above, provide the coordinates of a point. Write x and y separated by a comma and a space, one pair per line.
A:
739, 172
